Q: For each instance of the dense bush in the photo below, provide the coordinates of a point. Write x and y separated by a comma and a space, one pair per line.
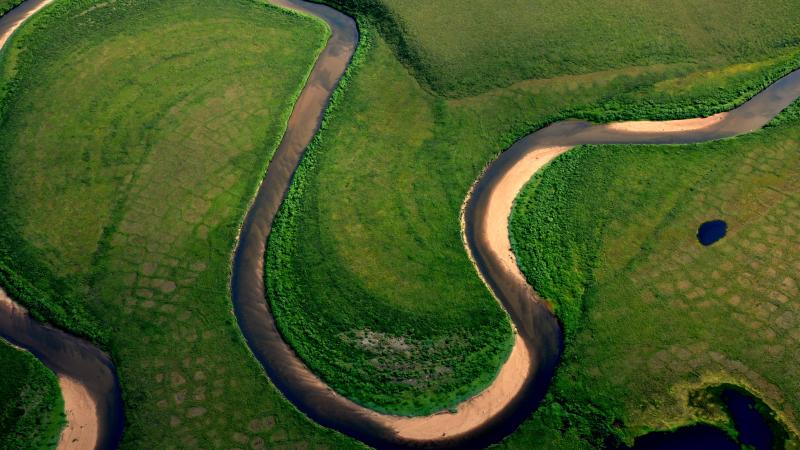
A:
31, 407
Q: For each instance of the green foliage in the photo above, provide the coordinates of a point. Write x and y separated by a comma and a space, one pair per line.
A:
134, 135
465, 47
711, 94
146, 169
8, 5
607, 233
410, 347
50, 308
788, 116
31, 407
369, 238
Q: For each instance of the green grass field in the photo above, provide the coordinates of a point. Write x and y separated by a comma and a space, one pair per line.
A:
31, 407
462, 47
366, 268
8, 5
136, 131
608, 234
134, 135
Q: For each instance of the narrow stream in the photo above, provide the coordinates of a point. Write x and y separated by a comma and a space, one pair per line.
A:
78, 359
64, 354
536, 324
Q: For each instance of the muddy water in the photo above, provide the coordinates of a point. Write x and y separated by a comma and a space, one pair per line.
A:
75, 358
63, 353
535, 322
538, 327
14, 18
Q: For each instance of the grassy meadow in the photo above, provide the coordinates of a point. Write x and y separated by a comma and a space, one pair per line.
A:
366, 269
8, 5
134, 134
608, 233
463, 47
31, 407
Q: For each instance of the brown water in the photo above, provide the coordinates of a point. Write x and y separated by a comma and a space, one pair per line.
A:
541, 332
63, 353
536, 324
76, 358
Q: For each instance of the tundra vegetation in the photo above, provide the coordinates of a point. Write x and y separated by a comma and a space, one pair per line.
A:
31, 407
608, 234
134, 133
366, 270
8, 5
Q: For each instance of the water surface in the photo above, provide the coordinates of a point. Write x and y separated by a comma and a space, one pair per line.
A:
536, 324
712, 231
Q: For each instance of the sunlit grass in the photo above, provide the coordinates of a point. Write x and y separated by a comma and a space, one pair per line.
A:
609, 234
134, 138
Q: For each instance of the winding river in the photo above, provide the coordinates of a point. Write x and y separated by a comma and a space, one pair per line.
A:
523, 380
86, 374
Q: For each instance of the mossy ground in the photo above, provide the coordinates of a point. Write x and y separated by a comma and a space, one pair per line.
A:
608, 233
127, 185
367, 271
134, 135
464, 47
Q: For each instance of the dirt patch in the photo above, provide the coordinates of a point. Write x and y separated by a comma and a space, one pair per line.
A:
473, 412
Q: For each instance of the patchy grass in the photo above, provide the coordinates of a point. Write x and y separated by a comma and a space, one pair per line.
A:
31, 407
608, 234
134, 135
369, 243
463, 47
125, 174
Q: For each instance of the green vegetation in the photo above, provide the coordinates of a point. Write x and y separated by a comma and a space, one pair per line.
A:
366, 269
462, 47
134, 134
376, 335
31, 407
8, 5
607, 233
716, 399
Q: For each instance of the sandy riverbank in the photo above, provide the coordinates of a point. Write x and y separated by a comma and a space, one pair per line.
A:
477, 410
20, 20
667, 126
471, 413
81, 431
82, 428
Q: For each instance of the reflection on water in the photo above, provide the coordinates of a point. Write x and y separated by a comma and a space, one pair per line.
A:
696, 437
754, 421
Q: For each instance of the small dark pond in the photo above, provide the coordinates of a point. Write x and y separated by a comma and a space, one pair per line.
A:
752, 418
712, 231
